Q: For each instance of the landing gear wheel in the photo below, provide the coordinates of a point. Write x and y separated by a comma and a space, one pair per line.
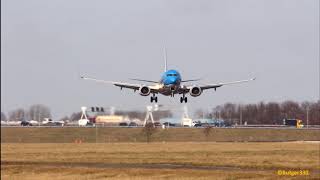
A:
153, 98
183, 99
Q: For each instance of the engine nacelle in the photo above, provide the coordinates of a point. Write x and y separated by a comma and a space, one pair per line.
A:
195, 91
144, 91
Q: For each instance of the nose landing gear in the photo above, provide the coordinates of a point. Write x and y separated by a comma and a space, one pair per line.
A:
153, 98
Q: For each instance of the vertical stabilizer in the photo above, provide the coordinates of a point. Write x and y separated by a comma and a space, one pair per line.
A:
165, 59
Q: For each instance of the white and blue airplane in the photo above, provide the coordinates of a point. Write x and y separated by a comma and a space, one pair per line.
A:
171, 83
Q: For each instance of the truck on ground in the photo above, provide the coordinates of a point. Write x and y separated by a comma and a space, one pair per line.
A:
293, 122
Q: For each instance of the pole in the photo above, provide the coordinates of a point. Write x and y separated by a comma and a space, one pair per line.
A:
39, 116
240, 115
307, 117
96, 133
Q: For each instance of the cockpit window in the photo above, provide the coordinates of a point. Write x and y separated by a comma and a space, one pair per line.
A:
172, 75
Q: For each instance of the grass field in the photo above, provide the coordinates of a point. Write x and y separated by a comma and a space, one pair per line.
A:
177, 153
107, 135
172, 160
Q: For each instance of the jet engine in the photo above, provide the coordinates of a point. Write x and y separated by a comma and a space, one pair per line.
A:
195, 91
144, 90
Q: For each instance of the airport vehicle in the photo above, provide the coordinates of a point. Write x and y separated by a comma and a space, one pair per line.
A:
123, 124
133, 124
186, 122
196, 124
168, 124
33, 122
50, 122
170, 84
293, 122
25, 123
84, 122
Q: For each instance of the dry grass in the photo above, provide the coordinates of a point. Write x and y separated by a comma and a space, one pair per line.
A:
135, 174
107, 135
156, 160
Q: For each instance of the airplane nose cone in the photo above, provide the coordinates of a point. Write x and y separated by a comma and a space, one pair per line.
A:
172, 80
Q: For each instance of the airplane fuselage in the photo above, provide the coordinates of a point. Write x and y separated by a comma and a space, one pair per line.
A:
171, 81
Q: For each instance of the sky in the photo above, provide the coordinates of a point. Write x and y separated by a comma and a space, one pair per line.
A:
47, 45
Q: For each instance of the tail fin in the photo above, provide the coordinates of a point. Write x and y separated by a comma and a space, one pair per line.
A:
165, 59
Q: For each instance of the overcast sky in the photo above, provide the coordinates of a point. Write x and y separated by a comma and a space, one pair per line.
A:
46, 45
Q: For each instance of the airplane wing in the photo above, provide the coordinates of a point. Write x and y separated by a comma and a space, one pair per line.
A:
143, 80
214, 86
119, 84
154, 89
150, 81
189, 80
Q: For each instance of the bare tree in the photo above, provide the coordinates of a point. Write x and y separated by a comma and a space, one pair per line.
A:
290, 109
38, 112
273, 113
17, 115
148, 131
217, 112
161, 114
249, 113
65, 118
75, 116
207, 131
270, 113
228, 113
199, 113
3, 116
314, 114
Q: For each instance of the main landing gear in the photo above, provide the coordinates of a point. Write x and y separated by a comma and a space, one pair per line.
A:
153, 98
183, 99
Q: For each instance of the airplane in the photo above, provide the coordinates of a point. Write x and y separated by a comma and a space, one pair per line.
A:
171, 83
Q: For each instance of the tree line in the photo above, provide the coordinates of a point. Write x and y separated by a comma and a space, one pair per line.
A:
231, 113
267, 113
35, 112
